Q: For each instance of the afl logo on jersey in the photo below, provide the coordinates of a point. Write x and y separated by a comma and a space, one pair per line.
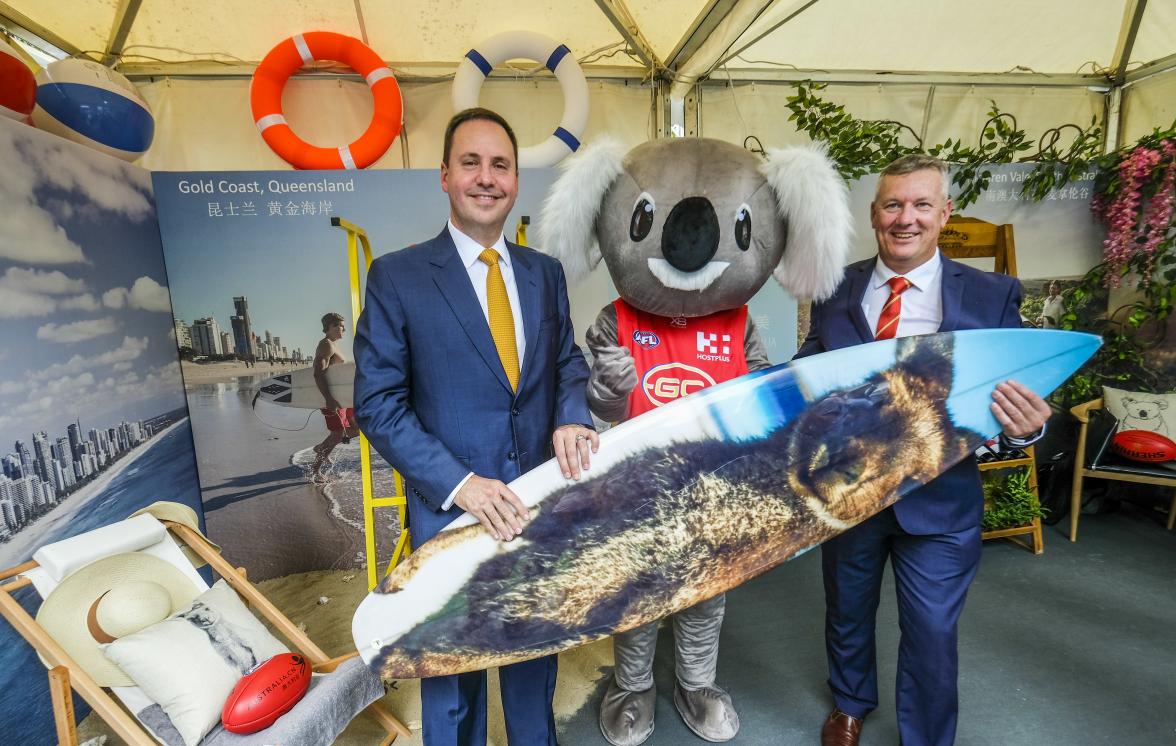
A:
648, 340
664, 383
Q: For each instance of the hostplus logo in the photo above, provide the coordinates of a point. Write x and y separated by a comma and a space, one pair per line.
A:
714, 347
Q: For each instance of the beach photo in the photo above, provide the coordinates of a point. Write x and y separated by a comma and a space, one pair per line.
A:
93, 419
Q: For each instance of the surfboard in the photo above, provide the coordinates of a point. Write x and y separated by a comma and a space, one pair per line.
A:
297, 388
700, 495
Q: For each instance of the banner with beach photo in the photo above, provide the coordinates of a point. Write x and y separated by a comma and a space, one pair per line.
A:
93, 420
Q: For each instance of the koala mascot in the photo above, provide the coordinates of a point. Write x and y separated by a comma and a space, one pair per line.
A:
689, 229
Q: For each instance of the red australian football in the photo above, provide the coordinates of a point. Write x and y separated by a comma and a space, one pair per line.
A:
266, 693
1143, 445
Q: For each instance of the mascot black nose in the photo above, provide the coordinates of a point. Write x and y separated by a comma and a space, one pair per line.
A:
691, 234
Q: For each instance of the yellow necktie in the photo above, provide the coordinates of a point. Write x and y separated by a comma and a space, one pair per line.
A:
502, 324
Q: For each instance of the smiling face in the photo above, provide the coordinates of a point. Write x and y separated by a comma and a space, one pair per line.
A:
907, 214
481, 179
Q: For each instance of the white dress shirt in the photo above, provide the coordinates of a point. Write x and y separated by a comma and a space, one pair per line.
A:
469, 250
921, 311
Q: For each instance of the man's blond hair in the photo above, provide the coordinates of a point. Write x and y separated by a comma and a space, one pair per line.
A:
912, 162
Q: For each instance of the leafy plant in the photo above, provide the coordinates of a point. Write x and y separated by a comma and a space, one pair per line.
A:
1009, 501
862, 146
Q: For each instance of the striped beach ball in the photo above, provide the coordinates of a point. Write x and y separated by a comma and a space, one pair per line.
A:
18, 87
91, 104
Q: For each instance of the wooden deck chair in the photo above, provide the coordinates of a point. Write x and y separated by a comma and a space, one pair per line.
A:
123, 707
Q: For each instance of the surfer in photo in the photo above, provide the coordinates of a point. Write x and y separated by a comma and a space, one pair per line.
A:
341, 426
932, 535
468, 376
690, 229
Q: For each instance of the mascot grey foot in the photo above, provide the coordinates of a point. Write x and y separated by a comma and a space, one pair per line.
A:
708, 712
626, 718
690, 230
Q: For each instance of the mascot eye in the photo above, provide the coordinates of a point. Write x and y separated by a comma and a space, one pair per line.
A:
642, 221
743, 227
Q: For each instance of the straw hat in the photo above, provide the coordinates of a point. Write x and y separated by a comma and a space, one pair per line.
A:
110, 598
179, 513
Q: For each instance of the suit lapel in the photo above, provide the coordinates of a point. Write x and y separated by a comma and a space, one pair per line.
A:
528, 289
859, 281
453, 281
951, 294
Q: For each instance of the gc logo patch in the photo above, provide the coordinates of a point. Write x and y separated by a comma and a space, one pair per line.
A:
664, 383
648, 340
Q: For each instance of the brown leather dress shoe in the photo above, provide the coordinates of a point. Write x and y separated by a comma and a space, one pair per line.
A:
840, 729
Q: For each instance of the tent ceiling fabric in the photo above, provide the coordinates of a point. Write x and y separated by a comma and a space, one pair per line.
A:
1060, 37
911, 35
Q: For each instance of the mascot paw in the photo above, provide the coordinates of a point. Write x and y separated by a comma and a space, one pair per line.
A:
626, 718
614, 373
708, 712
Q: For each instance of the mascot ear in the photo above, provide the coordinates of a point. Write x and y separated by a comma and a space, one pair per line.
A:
567, 224
814, 202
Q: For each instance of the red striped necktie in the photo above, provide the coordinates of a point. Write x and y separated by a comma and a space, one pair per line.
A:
888, 321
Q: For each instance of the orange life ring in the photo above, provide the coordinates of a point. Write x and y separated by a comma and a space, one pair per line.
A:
265, 98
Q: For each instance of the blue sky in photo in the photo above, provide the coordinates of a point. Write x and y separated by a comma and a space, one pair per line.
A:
85, 321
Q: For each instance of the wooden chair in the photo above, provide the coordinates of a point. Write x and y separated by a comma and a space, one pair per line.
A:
972, 238
65, 674
1117, 470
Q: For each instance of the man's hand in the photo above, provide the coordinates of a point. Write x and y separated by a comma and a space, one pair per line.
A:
1018, 410
333, 403
573, 446
494, 505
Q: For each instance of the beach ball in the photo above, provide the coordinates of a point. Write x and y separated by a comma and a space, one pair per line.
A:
18, 87
91, 104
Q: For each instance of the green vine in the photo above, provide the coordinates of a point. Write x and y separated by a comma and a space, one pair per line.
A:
862, 146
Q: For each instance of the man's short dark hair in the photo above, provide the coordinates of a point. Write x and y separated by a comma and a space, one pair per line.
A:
469, 115
330, 320
912, 162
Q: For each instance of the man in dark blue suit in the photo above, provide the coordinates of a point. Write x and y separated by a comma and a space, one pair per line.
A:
931, 536
467, 376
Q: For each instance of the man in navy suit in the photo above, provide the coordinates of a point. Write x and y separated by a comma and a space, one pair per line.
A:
931, 536
460, 409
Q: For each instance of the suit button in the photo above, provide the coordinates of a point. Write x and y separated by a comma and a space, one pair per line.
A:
512, 456
514, 412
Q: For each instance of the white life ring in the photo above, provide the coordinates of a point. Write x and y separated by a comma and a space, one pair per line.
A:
478, 63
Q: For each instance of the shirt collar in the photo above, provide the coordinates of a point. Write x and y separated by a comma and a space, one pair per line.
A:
919, 277
469, 250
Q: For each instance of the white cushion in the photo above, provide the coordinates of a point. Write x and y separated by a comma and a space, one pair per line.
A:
190, 662
61, 558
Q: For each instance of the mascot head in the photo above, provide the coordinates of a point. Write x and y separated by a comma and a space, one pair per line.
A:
690, 227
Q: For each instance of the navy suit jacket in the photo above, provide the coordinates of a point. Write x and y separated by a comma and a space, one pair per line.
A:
972, 299
430, 391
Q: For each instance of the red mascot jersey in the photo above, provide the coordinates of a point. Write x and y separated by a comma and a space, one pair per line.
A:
676, 357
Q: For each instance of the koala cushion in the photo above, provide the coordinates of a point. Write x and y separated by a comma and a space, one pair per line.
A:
1142, 411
